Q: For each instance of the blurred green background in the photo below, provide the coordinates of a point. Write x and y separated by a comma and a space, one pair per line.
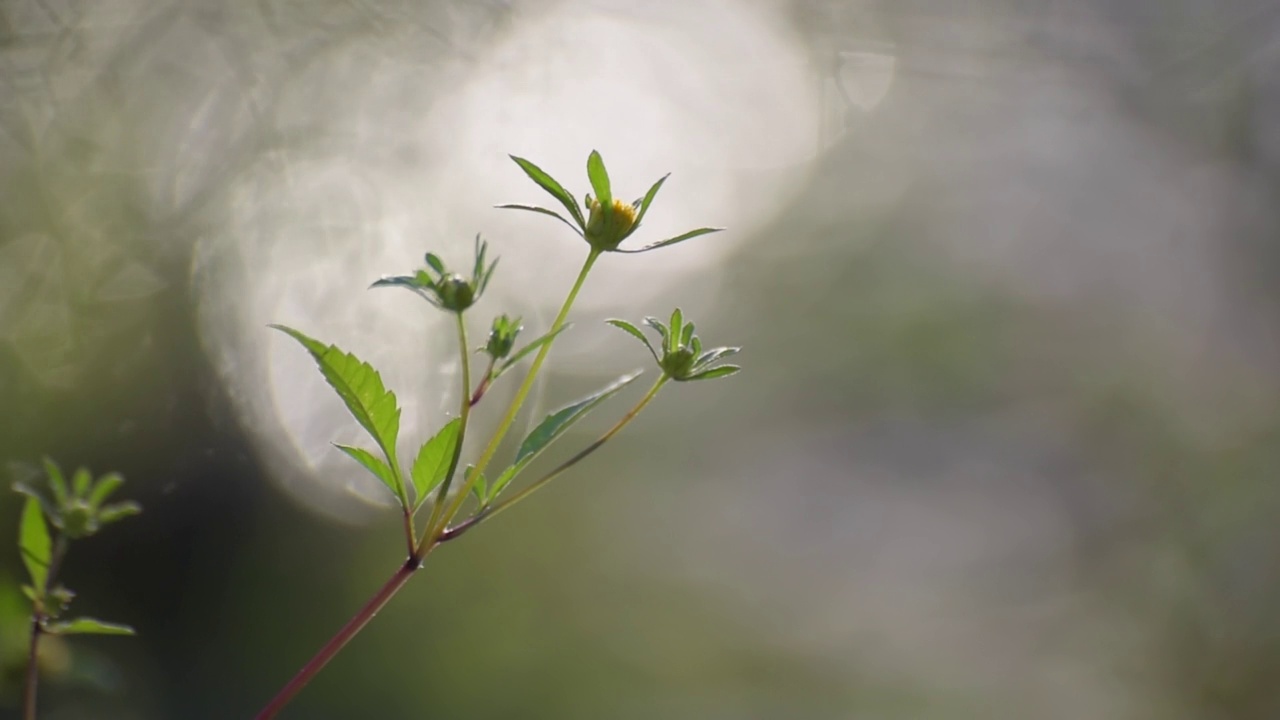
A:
1006, 446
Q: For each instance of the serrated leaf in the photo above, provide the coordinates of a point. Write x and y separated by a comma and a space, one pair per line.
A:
433, 461
373, 464
633, 331
648, 199
366, 398
57, 482
34, 543
555, 424
599, 178
541, 211
713, 373
88, 626
107, 485
672, 241
555, 189
523, 352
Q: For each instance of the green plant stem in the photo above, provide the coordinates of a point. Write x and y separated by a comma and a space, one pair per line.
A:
340, 640
559, 469
464, 414
33, 671
517, 402
38, 618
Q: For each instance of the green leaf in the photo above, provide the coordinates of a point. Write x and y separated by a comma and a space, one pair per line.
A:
686, 337
107, 485
677, 330
599, 179
434, 262
555, 424
81, 482
648, 199
361, 389
34, 543
373, 464
49, 508
713, 373
480, 489
656, 324
502, 482
56, 482
523, 352
672, 241
540, 210
88, 626
634, 332
548, 183
433, 461
118, 511
419, 284
715, 354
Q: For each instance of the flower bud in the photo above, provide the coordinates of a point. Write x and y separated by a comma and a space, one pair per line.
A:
609, 225
502, 337
455, 292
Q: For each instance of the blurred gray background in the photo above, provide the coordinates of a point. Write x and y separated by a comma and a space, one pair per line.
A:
1006, 275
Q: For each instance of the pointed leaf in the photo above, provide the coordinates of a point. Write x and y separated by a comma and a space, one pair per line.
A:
677, 330
373, 464
480, 488
56, 482
361, 389
523, 352
672, 241
504, 479
88, 626
81, 481
49, 508
686, 337
107, 485
34, 543
541, 210
433, 461
434, 262
419, 284
634, 332
118, 511
656, 324
599, 179
714, 354
648, 199
477, 270
722, 371
548, 183
555, 424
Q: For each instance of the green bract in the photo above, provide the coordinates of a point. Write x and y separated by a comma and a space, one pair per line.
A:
607, 220
682, 357
502, 337
447, 290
